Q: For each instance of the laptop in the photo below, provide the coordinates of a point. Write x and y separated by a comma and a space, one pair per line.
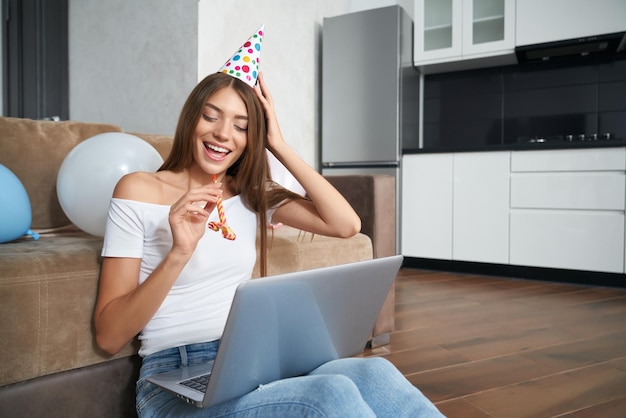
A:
287, 325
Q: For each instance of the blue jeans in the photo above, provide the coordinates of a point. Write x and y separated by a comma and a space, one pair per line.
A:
351, 387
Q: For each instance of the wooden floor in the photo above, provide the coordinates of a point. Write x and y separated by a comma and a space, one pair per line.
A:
495, 347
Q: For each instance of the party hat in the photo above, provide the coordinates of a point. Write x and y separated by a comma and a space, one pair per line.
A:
244, 64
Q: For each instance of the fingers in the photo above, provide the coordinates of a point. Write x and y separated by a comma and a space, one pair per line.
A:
194, 209
262, 91
273, 130
198, 201
274, 135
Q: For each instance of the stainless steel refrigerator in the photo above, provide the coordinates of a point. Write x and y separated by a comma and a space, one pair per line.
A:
370, 94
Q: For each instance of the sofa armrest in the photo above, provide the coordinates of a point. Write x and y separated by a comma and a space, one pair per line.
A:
373, 198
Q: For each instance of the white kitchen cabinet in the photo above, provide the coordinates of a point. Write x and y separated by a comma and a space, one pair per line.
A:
578, 240
569, 160
481, 207
456, 206
567, 209
546, 208
426, 223
437, 30
571, 191
488, 27
540, 21
458, 34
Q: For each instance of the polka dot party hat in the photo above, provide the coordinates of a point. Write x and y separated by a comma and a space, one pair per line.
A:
244, 64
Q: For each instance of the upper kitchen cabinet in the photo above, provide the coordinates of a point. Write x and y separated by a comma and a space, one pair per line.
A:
455, 34
543, 21
437, 30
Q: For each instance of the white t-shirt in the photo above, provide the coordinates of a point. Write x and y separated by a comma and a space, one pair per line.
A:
197, 306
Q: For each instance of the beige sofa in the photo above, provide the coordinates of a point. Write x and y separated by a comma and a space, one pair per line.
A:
50, 364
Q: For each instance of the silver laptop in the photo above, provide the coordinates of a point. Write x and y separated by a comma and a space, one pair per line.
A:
287, 325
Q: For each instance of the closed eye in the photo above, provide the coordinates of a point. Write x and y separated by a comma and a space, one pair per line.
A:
213, 119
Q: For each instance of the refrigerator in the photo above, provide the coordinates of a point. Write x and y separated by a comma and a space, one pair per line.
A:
370, 95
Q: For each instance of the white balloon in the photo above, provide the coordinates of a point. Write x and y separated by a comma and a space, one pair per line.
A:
282, 176
91, 170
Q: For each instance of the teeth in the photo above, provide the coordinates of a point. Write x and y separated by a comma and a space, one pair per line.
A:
218, 149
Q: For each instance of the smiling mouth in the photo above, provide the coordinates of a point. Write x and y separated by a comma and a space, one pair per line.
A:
216, 149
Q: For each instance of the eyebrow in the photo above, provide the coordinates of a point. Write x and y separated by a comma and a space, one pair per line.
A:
217, 109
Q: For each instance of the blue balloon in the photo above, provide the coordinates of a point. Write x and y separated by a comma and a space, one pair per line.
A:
15, 211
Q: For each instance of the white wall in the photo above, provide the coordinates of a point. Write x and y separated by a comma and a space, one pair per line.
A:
290, 56
132, 62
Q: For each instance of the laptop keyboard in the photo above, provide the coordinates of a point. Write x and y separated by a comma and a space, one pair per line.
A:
197, 383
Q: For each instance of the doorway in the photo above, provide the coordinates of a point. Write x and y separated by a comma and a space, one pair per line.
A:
35, 59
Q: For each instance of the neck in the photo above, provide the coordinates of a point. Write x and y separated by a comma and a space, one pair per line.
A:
197, 177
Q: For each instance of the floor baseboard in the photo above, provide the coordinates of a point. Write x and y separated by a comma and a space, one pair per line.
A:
589, 278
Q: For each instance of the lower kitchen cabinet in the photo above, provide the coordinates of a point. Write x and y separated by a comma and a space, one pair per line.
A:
560, 209
569, 191
426, 230
481, 207
456, 206
576, 240
567, 209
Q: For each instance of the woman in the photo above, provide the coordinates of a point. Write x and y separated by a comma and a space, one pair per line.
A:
167, 279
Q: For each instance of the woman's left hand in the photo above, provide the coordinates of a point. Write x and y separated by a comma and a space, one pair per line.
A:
274, 135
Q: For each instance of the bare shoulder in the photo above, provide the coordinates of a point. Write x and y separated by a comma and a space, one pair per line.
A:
140, 186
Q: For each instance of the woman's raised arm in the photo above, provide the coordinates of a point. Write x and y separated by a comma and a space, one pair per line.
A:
327, 212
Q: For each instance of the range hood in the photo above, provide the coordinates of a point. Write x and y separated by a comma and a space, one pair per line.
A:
600, 47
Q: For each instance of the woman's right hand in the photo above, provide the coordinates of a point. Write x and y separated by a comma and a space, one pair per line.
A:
189, 216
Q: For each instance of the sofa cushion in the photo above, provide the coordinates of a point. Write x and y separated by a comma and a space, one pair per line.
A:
48, 292
47, 295
34, 151
291, 249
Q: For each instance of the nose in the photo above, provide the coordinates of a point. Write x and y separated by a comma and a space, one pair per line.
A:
223, 130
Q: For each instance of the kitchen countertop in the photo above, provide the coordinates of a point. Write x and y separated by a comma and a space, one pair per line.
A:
554, 145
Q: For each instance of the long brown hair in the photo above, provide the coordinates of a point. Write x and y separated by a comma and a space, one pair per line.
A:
251, 170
